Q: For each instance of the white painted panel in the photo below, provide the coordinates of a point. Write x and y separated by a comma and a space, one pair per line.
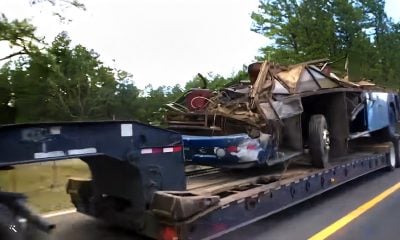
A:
126, 130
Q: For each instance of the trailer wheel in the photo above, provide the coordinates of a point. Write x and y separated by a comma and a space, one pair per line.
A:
396, 146
318, 140
392, 158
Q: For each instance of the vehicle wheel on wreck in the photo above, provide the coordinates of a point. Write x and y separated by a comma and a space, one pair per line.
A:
318, 141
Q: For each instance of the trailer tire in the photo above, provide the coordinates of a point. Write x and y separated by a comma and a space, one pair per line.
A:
392, 158
396, 145
318, 141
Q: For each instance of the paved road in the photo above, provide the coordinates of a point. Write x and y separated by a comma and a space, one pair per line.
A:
76, 226
299, 222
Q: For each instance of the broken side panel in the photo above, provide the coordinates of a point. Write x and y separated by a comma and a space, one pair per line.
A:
377, 110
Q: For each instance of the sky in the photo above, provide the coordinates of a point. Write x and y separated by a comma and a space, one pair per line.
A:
160, 42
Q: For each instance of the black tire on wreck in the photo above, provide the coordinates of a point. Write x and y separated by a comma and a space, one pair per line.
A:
318, 141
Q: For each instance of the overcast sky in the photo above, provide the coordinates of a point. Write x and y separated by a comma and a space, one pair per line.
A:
161, 42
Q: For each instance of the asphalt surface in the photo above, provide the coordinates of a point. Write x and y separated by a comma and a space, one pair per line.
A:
298, 222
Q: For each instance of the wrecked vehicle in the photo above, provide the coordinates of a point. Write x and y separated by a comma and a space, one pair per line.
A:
230, 151
283, 112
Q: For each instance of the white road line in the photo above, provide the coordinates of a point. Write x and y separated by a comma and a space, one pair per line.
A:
59, 213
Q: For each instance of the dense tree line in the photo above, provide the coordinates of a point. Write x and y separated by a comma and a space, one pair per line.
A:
56, 81
64, 82
61, 82
357, 30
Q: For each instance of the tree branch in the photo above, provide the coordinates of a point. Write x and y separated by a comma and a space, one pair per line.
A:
22, 52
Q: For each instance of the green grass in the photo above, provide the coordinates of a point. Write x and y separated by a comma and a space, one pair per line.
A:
44, 183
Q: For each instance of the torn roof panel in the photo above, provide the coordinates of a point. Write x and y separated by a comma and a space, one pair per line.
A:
291, 77
297, 78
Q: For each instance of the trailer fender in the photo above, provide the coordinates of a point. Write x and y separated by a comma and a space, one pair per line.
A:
178, 206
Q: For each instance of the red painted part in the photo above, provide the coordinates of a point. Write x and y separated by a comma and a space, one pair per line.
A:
232, 149
169, 233
158, 150
251, 147
196, 99
177, 149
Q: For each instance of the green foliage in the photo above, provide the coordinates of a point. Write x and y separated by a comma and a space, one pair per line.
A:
151, 103
216, 81
81, 86
64, 83
20, 35
7, 112
309, 29
125, 102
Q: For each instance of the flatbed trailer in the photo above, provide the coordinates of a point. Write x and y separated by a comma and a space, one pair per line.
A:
245, 201
139, 179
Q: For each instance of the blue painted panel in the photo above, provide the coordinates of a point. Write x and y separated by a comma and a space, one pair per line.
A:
377, 110
213, 150
213, 141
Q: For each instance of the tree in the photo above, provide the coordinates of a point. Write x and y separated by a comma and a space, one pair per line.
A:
308, 29
216, 81
7, 112
63, 83
150, 104
81, 86
20, 36
30, 89
311, 29
126, 101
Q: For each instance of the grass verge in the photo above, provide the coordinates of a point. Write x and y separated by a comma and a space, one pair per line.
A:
44, 183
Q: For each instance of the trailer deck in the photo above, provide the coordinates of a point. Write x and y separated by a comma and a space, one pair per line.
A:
213, 180
246, 197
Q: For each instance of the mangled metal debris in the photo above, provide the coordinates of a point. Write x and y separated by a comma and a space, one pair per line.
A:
272, 94
282, 113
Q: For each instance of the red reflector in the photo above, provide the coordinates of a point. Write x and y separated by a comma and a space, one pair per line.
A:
169, 233
251, 147
172, 149
161, 150
177, 148
157, 150
232, 149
